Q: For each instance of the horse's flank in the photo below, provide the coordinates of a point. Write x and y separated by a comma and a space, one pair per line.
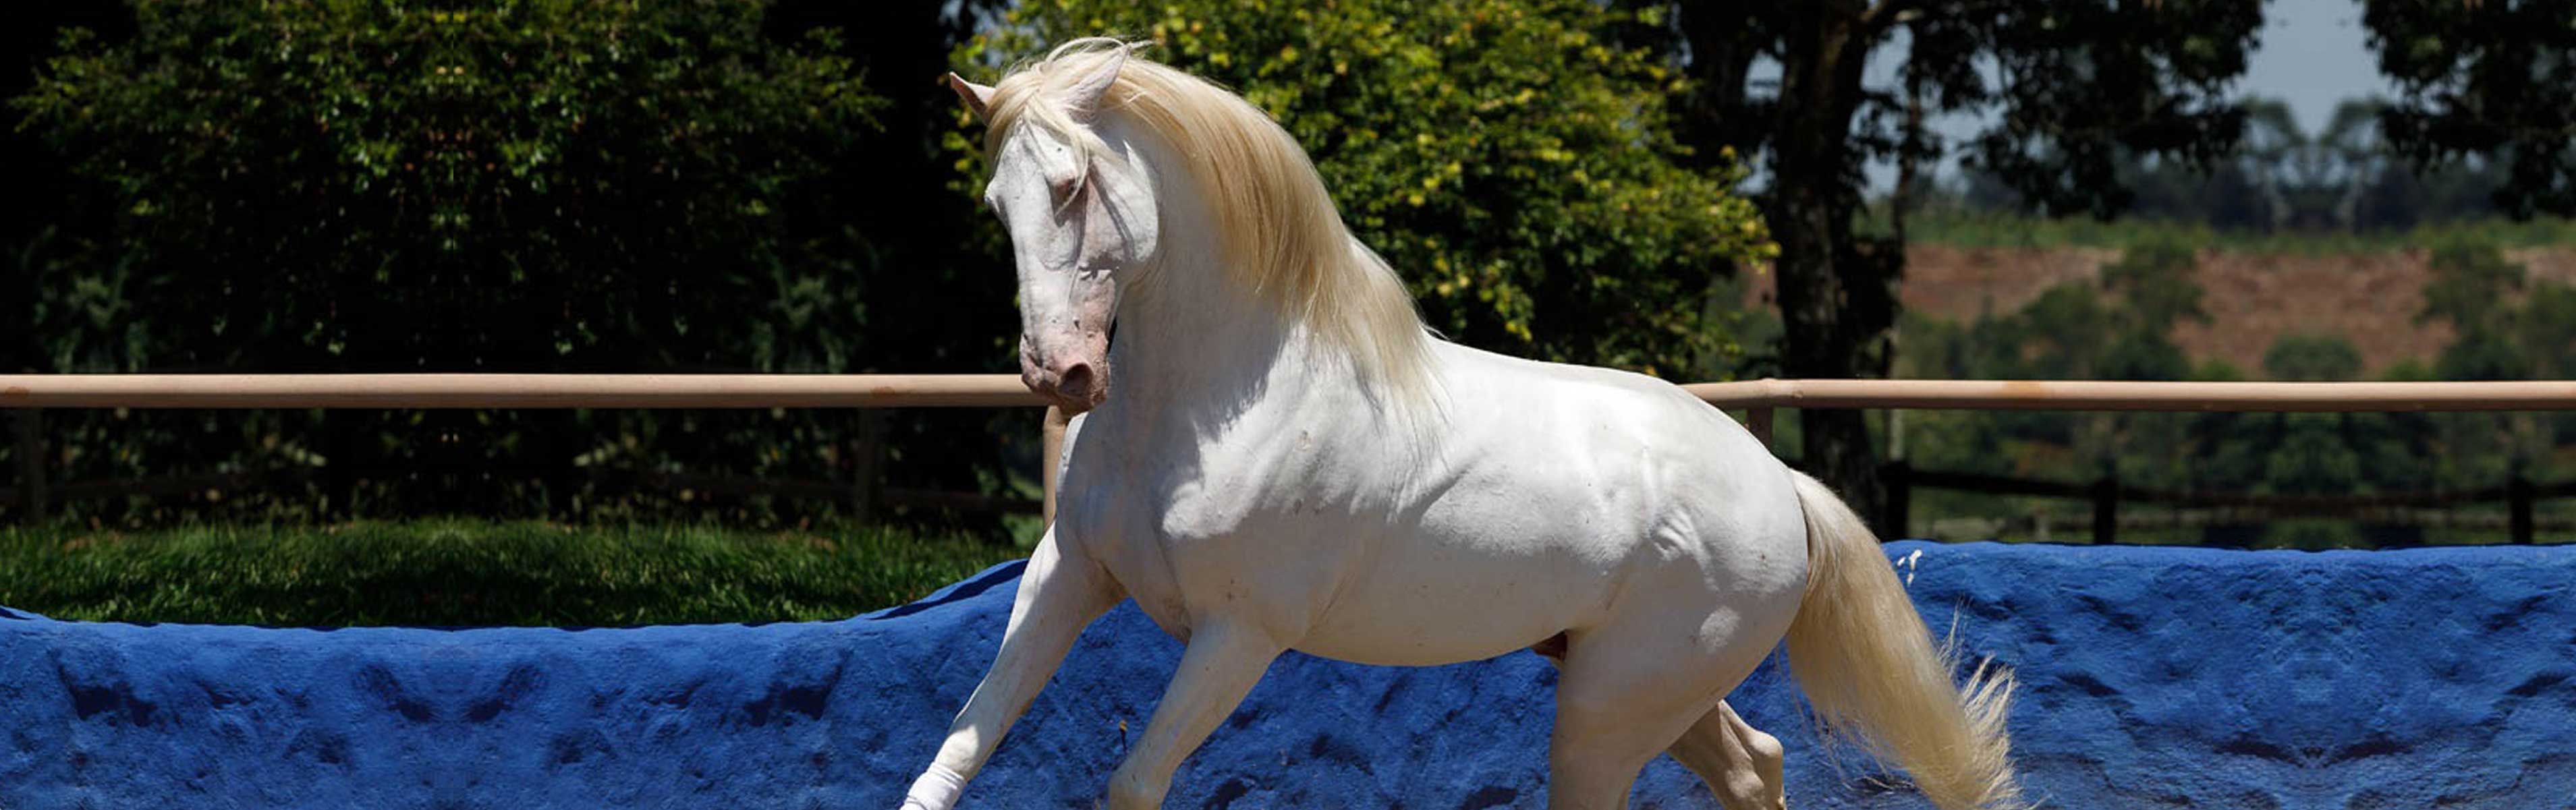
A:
1282, 235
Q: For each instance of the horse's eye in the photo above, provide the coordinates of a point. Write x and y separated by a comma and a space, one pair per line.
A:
1063, 189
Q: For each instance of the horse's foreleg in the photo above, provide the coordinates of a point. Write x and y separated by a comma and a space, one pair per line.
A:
1741, 764
1058, 597
1222, 663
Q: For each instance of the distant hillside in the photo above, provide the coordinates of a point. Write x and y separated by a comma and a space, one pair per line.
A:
2253, 298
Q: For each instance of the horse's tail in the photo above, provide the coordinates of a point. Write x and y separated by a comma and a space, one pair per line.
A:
1876, 678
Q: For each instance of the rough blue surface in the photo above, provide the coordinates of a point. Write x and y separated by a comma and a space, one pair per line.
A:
2152, 678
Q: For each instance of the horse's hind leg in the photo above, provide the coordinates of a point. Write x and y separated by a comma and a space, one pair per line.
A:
1058, 597
1626, 695
1741, 764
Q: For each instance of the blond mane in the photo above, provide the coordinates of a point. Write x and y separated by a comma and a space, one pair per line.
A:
1282, 236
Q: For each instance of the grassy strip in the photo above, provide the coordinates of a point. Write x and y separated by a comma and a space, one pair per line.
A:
2008, 231
467, 572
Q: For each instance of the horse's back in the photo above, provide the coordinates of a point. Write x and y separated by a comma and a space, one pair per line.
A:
1558, 496
1624, 428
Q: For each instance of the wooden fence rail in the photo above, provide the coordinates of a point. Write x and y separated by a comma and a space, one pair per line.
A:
2519, 496
27, 395
1757, 398
1005, 391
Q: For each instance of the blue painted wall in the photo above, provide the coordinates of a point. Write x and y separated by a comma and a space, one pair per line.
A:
2152, 678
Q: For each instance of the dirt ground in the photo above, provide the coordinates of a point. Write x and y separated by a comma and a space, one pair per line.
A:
2252, 298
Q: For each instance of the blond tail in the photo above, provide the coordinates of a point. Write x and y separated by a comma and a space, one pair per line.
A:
1876, 678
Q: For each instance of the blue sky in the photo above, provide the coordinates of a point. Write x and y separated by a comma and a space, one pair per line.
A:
2313, 56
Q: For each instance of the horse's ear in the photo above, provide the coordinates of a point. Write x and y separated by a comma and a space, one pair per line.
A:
1084, 97
978, 98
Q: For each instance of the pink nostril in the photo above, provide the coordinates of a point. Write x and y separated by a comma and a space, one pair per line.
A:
1075, 381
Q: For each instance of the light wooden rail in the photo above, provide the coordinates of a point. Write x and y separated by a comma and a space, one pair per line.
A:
2061, 395
1005, 391
515, 391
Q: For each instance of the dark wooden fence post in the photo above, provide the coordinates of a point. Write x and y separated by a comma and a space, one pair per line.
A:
2518, 497
31, 464
867, 470
1898, 476
2106, 508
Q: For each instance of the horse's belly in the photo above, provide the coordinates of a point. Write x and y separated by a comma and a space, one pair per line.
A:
1435, 603
1388, 644
1415, 601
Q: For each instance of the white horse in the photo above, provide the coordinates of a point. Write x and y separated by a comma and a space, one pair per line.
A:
1291, 461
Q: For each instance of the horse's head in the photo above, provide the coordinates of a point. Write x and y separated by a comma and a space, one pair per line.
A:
1080, 209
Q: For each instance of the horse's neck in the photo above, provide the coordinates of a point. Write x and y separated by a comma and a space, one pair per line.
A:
1192, 342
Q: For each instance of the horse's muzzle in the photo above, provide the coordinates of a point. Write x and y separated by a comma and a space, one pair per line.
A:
1076, 387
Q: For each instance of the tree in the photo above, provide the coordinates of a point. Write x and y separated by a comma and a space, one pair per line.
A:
2312, 358
470, 160
544, 185
933, 302
2494, 79
2279, 178
2472, 288
1506, 156
40, 191
2079, 86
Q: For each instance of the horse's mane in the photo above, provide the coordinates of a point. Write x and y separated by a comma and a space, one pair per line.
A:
1282, 236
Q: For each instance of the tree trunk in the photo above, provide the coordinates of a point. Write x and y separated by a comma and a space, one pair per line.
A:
1836, 293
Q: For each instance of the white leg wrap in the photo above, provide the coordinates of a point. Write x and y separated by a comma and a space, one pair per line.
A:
937, 789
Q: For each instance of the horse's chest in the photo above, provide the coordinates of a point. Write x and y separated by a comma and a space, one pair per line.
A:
1181, 542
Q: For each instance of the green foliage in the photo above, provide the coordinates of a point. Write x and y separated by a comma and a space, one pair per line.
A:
527, 185
2056, 336
2155, 280
2546, 329
1969, 228
571, 183
2470, 280
2312, 358
2282, 180
2086, 84
2312, 457
1515, 164
2116, 329
2506, 327
461, 573
2490, 79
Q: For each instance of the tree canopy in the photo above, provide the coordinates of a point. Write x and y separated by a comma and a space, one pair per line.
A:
554, 180
2282, 179
535, 185
2494, 79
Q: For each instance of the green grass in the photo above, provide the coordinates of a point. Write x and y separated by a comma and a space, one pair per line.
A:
2001, 231
465, 572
